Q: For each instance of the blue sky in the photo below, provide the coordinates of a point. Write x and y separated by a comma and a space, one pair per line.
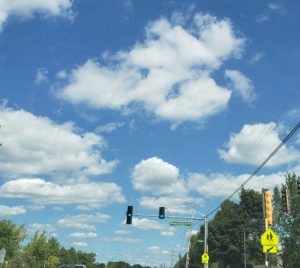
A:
106, 104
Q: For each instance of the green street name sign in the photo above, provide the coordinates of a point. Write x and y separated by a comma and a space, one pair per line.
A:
180, 223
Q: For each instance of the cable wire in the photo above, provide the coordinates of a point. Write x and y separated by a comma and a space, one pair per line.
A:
292, 132
266, 129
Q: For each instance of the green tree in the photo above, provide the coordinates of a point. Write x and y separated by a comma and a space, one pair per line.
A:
35, 252
288, 225
224, 234
11, 237
119, 264
252, 213
86, 258
68, 256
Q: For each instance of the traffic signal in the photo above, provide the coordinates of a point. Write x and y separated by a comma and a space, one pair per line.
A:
242, 238
129, 214
162, 211
285, 200
298, 186
268, 208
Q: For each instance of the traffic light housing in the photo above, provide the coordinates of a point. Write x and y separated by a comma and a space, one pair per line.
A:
242, 238
129, 214
268, 208
298, 186
285, 200
162, 211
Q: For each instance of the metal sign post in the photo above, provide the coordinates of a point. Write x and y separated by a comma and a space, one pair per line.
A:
2, 255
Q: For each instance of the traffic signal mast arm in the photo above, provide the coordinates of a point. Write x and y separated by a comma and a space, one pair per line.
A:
168, 217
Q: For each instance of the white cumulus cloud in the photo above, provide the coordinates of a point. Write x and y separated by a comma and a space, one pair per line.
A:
11, 211
95, 194
35, 145
40, 227
223, 185
28, 8
241, 84
147, 225
41, 76
254, 143
83, 235
82, 221
170, 81
156, 176
80, 244
173, 204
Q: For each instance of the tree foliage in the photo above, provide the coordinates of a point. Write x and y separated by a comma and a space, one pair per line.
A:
11, 237
224, 234
43, 252
288, 225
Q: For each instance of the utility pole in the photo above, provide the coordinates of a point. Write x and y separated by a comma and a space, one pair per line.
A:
245, 256
264, 221
187, 259
205, 239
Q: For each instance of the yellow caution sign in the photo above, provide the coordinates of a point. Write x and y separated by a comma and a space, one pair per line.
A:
270, 249
205, 258
269, 238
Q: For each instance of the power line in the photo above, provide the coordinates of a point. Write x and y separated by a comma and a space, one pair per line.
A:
267, 128
292, 132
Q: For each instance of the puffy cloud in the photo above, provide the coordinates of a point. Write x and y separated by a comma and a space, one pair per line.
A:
28, 8
124, 240
241, 84
110, 127
147, 225
173, 204
223, 185
254, 143
156, 176
82, 221
41, 227
11, 211
35, 145
154, 249
122, 232
43, 192
83, 235
80, 244
41, 75
171, 82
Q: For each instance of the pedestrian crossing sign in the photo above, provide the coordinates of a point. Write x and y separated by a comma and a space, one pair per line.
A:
205, 258
269, 238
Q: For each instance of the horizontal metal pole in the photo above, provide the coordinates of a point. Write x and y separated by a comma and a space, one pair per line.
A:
169, 217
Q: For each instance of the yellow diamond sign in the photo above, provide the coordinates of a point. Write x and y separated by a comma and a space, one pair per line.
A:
205, 258
269, 238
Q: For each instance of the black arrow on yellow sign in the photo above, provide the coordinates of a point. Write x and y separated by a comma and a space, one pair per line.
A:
269, 249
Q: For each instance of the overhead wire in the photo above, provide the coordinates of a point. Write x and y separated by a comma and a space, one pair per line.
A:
291, 133
267, 128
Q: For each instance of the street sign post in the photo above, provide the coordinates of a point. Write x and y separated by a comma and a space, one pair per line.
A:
181, 223
2, 255
205, 258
